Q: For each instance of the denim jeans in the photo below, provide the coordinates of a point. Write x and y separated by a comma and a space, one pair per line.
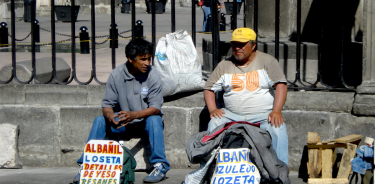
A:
206, 12
102, 129
279, 135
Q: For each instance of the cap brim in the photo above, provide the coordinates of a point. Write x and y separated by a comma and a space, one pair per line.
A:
239, 40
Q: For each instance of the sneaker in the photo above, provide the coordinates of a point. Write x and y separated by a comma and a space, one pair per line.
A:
157, 175
77, 177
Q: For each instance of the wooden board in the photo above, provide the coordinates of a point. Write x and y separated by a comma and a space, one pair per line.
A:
312, 138
326, 146
327, 163
349, 138
329, 141
346, 165
334, 156
325, 181
313, 162
319, 171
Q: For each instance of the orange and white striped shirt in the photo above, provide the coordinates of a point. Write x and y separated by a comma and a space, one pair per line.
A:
247, 90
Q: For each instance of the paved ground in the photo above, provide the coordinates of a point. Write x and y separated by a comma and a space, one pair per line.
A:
103, 53
64, 175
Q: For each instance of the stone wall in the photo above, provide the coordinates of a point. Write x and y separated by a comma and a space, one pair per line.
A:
5, 10
55, 121
314, 14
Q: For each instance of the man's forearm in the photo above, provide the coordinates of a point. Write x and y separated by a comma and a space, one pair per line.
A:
209, 97
107, 112
280, 96
146, 112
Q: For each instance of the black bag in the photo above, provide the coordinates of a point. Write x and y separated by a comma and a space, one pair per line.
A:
233, 140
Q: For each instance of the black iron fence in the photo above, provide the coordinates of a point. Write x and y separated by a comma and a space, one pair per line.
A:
325, 80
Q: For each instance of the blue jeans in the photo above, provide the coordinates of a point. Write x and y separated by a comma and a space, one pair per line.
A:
102, 129
279, 135
206, 12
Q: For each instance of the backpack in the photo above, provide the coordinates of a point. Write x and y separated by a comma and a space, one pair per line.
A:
128, 167
231, 140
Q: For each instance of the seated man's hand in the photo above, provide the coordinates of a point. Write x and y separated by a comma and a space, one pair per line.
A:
217, 113
126, 117
276, 118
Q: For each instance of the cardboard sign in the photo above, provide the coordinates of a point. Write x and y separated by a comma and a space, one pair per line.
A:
102, 162
235, 167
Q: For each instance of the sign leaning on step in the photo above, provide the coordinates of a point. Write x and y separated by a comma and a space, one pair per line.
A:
234, 166
102, 162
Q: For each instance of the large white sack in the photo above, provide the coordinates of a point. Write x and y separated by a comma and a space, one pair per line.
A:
178, 63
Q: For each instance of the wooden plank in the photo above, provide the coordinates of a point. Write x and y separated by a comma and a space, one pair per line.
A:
312, 138
326, 146
331, 181
326, 142
349, 138
327, 163
346, 165
313, 162
334, 156
334, 161
319, 171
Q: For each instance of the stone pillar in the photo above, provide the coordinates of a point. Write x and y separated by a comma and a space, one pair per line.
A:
364, 103
266, 17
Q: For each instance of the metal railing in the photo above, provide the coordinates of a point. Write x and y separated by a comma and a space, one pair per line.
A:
297, 83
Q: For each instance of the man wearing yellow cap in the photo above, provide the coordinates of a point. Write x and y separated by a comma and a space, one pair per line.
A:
247, 79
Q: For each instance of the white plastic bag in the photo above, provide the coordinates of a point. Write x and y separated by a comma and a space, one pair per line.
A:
178, 63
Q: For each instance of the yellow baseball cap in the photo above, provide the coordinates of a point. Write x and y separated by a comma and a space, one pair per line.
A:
243, 34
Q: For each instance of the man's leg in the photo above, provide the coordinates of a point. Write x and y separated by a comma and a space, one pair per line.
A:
228, 117
154, 128
206, 12
279, 140
215, 122
99, 131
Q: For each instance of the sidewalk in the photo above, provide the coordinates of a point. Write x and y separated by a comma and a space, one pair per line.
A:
103, 52
65, 175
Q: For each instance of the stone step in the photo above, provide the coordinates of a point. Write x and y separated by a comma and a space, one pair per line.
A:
287, 49
308, 68
43, 71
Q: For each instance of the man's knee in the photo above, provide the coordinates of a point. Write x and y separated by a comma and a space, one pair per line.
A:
99, 121
276, 130
154, 120
215, 122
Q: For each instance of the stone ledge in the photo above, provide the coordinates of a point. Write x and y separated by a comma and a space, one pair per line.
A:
56, 98
55, 135
9, 155
43, 70
320, 101
364, 105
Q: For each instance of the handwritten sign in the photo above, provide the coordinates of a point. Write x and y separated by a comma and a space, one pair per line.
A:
102, 162
235, 167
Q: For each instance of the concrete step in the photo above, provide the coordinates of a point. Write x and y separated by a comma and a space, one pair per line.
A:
287, 49
287, 52
308, 69
60, 47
